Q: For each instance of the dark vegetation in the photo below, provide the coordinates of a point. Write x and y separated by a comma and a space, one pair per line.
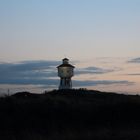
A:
70, 115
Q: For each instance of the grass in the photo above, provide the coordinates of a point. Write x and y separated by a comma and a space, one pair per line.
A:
70, 115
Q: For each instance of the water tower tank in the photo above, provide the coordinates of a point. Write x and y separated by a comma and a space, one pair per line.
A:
65, 72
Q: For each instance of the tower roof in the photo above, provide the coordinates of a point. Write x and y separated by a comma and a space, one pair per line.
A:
66, 65
65, 59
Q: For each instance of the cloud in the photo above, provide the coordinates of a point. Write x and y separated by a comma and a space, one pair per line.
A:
101, 82
27, 72
28, 65
44, 73
80, 83
93, 70
37, 72
134, 74
135, 60
30, 81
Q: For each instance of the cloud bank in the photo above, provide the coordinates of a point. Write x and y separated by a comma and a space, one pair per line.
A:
93, 70
44, 73
101, 82
135, 60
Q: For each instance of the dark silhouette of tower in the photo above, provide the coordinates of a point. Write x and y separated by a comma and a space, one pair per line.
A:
65, 72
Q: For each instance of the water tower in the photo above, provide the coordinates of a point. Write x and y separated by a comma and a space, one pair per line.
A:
65, 72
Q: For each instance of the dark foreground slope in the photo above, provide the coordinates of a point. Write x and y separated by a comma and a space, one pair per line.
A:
70, 115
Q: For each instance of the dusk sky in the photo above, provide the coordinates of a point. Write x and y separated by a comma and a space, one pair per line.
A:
100, 37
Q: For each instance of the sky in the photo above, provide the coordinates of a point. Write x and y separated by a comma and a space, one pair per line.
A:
100, 37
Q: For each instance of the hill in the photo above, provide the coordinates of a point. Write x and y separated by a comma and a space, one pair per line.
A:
70, 115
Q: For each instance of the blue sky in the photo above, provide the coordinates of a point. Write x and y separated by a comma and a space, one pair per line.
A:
82, 30
52, 28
